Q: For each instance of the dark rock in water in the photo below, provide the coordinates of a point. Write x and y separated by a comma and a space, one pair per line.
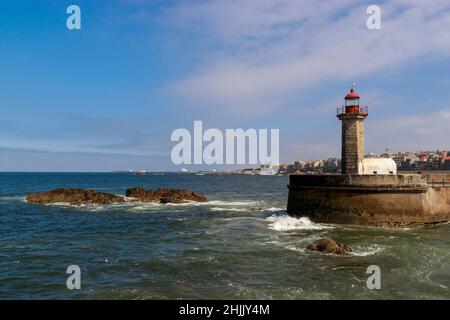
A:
87, 196
165, 195
141, 194
312, 247
74, 196
328, 245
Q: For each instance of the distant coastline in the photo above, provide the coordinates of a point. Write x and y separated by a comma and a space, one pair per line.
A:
408, 162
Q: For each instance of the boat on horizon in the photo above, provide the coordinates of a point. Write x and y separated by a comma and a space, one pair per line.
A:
140, 173
268, 169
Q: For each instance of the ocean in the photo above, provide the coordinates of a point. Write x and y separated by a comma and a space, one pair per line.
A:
240, 244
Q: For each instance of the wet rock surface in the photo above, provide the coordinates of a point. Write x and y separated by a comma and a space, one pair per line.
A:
330, 246
88, 196
74, 196
164, 195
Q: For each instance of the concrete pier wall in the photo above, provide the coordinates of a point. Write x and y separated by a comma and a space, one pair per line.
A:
437, 177
380, 200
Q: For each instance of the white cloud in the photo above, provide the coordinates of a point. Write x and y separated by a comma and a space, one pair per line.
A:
261, 51
427, 130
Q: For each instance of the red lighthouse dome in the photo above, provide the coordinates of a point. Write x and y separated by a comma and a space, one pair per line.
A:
352, 101
351, 95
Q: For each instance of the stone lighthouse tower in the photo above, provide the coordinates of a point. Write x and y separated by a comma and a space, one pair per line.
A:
352, 116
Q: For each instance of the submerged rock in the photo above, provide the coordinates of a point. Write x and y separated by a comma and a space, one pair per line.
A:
328, 245
74, 196
164, 195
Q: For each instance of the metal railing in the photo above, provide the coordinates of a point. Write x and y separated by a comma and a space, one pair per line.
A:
343, 110
439, 183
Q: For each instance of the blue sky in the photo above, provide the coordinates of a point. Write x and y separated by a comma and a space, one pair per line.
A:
108, 96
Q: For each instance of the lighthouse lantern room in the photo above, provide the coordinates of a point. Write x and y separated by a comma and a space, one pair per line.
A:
352, 102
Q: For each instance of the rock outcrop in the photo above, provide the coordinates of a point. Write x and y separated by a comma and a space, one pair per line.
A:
74, 196
164, 195
87, 196
328, 245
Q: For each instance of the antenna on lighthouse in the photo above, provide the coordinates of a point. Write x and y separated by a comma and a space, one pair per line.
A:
352, 86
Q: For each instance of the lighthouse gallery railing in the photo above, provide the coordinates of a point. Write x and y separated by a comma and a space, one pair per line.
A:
343, 109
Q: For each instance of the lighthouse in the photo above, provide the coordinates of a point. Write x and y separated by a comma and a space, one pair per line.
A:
352, 116
369, 191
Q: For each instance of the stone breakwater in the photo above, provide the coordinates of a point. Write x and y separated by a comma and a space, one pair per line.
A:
404, 200
88, 196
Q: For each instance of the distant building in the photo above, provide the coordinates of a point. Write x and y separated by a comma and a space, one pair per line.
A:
447, 164
377, 166
283, 167
299, 165
332, 165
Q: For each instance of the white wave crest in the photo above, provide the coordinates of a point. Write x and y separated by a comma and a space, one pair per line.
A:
246, 208
274, 209
366, 251
228, 209
215, 203
233, 203
286, 223
13, 198
133, 204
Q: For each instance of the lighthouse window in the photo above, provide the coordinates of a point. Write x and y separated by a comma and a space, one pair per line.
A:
352, 102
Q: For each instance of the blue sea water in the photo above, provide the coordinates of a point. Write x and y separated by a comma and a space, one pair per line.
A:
239, 245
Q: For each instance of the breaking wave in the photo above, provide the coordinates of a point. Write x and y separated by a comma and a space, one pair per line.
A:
366, 251
228, 209
129, 204
286, 223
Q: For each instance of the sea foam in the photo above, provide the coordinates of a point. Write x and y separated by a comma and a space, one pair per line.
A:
366, 251
286, 223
